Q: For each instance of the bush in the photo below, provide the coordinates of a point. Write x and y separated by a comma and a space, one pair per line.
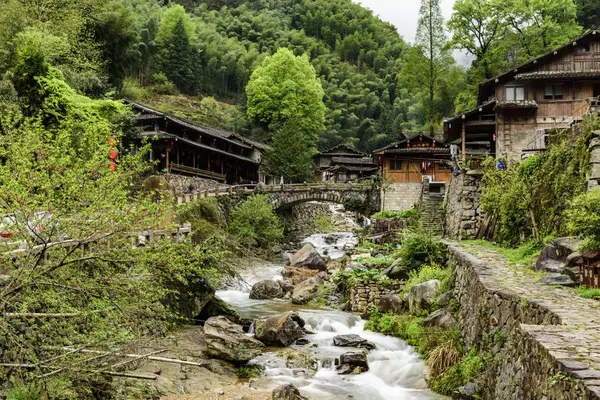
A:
584, 218
204, 216
528, 201
418, 244
588, 293
254, 222
428, 273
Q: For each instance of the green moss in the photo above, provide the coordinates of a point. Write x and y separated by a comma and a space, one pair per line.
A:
323, 223
396, 214
249, 371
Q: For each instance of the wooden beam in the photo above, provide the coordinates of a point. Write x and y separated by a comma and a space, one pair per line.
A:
480, 123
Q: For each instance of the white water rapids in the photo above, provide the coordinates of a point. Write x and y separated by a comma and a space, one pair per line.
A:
395, 370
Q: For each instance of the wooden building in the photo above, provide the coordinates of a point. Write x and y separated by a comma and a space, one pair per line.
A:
520, 108
413, 159
187, 148
342, 163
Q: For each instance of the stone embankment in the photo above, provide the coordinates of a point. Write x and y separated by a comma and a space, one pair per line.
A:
463, 208
364, 296
544, 340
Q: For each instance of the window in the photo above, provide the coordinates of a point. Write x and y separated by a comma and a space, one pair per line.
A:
515, 93
553, 92
395, 165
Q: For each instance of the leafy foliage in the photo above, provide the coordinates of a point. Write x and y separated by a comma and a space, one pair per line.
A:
255, 222
584, 218
427, 273
529, 200
418, 244
395, 214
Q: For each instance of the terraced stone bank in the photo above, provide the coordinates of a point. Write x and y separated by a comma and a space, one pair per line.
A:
544, 340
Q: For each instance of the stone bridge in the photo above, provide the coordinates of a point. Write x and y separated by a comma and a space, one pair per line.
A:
283, 197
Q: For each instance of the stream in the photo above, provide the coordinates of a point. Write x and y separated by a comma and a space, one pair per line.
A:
395, 369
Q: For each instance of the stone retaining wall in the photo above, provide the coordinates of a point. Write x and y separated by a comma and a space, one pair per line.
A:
364, 296
523, 338
462, 207
594, 149
304, 215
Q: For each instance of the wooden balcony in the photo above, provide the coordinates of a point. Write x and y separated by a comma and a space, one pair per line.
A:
184, 169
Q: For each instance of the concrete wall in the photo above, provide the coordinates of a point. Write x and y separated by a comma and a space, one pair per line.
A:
462, 207
400, 196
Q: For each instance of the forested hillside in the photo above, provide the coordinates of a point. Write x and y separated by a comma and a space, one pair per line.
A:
196, 58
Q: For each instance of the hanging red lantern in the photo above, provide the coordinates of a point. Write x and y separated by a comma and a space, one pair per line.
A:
113, 166
420, 138
113, 154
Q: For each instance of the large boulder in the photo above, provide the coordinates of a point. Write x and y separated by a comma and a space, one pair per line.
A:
296, 275
353, 363
227, 341
215, 307
423, 295
265, 290
279, 330
287, 392
391, 303
352, 340
308, 257
441, 318
557, 279
306, 291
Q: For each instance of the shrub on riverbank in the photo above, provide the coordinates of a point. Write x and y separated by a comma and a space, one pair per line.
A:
427, 273
255, 223
418, 244
205, 218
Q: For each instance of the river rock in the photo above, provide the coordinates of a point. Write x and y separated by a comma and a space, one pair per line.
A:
441, 318
557, 279
296, 275
287, 392
279, 330
227, 341
444, 300
215, 307
268, 289
308, 257
391, 303
423, 295
468, 392
352, 340
306, 291
352, 362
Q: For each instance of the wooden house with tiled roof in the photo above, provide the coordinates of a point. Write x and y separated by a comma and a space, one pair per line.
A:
520, 108
187, 148
343, 163
412, 159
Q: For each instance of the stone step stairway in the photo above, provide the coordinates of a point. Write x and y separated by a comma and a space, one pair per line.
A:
431, 208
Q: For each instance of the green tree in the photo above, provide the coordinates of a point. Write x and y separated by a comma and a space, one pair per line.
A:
477, 26
177, 54
588, 13
286, 87
291, 154
432, 59
254, 222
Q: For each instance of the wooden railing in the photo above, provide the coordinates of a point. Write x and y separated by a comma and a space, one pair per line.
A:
197, 171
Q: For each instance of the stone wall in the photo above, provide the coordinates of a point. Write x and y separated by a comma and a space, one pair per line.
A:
400, 196
522, 337
303, 216
462, 207
364, 296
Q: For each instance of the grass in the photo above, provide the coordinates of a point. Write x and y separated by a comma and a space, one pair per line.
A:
322, 223
588, 293
395, 214
428, 273
468, 368
523, 254
381, 261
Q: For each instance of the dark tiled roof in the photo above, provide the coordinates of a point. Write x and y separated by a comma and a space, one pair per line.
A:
342, 146
488, 104
351, 168
230, 137
353, 160
434, 150
516, 105
408, 136
592, 73
165, 135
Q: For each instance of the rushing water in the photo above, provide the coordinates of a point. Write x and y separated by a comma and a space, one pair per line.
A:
395, 369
